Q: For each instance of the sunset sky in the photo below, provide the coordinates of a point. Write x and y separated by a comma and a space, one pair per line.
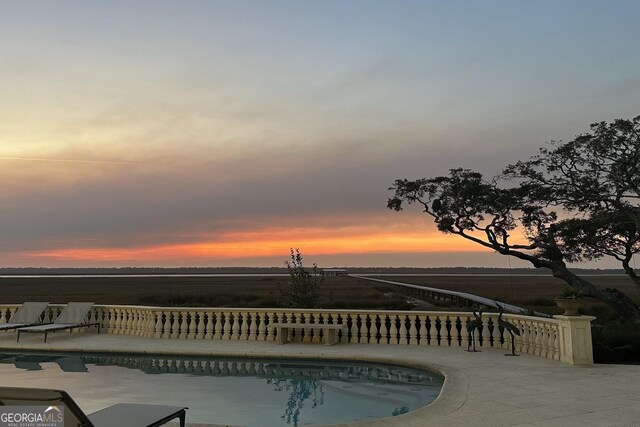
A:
210, 133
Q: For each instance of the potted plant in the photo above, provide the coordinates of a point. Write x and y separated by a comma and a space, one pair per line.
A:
570, 301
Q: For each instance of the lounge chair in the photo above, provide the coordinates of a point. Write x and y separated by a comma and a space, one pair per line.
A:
28, 314
120, 415
73, 316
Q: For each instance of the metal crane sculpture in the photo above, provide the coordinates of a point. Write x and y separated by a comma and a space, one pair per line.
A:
509, 327
472, 326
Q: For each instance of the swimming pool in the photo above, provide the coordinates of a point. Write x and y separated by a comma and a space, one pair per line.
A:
239, 392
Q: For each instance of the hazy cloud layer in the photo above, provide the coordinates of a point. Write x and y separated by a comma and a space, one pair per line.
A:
176, 125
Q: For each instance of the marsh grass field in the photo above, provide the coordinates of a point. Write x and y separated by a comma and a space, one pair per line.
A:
240, 291
533, 292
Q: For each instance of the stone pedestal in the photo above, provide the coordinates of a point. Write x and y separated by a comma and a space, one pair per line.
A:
575, 339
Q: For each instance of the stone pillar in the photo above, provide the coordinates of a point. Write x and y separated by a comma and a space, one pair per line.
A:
575, 339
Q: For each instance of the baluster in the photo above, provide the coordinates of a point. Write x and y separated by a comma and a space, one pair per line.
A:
252, 328
166, 324
175, 324
519, 339
100, 318
135, 322
539, 330
464, 333
452, 331
532, 338
113, 320
524, 347
149, 323
352, 328
93, 317
107, 320
423, 331
10, 312
226, 331
208, 332
158, 324
363, 333
506, 345
117, 329
262, 328
139, 322
433, 332
373, 329
393, 330
326, 319
549, 341
271, 333
481, 343
305, 318
342, 319
298, 334
217, 335
192, 325
146, 322
315, 319
413, 331
332, 319
356, 328
403, 329
492, 336
127, 322
200, 326
553, 343
132, 322
143, 320
235, 325
384, 339
244, 327
185, 323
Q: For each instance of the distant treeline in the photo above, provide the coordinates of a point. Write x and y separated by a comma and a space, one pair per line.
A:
280, 270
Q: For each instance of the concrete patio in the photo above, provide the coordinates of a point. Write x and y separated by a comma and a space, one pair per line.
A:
481, 389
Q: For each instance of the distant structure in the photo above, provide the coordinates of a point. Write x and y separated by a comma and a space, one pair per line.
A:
334, 272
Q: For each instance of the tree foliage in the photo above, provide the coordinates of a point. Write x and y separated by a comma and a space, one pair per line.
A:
596, 178
574, 201
303, 290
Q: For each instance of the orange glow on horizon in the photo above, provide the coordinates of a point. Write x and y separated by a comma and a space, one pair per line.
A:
272, 242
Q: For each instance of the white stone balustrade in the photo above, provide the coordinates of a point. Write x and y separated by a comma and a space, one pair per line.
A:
563, 338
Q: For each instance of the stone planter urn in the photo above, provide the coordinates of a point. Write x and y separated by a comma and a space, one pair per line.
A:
570, 305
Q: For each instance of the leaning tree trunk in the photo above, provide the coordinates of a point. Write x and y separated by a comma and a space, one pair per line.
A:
619, 302
612, 297
629, 271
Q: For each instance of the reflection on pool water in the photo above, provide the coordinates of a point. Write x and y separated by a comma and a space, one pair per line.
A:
239, 392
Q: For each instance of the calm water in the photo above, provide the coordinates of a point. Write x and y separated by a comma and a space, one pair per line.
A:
241, 392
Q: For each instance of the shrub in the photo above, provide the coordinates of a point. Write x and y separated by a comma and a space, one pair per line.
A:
616, 342
303, 290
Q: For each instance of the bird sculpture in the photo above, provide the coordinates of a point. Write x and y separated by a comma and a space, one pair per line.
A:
472, 326
509, 327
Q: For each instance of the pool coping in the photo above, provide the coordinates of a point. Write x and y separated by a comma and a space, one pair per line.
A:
483, 389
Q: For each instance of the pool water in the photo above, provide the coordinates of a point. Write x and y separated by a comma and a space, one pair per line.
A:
238, 392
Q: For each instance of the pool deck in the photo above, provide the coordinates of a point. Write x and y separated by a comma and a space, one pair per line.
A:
481, 389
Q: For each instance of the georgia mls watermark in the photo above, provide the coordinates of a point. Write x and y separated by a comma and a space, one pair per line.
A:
32, 416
